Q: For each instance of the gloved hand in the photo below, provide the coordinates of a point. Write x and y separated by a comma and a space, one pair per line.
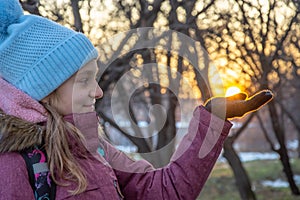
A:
237, 105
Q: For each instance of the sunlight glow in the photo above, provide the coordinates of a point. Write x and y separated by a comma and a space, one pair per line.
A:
232, 91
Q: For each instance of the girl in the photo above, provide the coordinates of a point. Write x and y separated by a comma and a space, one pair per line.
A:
48, 90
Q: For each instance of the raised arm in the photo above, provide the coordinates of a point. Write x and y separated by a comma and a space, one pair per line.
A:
193, 160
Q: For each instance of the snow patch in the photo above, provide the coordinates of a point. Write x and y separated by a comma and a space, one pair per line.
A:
279, 183
250, 156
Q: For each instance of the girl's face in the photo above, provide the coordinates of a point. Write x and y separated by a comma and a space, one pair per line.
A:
79, 93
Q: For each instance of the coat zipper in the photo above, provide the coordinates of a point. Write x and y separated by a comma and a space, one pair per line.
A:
118, 189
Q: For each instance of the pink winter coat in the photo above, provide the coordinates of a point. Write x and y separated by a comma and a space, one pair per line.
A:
115, 175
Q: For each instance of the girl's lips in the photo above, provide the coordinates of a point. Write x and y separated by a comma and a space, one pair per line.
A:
92, 107
89, 105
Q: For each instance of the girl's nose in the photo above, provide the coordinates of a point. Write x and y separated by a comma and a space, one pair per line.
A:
98, 92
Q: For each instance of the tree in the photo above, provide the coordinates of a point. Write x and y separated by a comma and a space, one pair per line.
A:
241, 34
255, 37
159, 14
137, 15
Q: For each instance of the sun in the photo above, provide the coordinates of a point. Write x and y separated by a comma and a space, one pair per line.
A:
232, 91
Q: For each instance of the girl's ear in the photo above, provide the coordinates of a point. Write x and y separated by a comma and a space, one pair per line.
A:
49, 98
45, 100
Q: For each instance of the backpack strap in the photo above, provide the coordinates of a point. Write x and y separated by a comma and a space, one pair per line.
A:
40, 179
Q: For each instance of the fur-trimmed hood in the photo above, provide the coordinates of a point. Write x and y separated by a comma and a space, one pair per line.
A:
16, 103
17, 134
19, 118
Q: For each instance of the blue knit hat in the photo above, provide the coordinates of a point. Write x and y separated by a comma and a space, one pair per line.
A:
37, 55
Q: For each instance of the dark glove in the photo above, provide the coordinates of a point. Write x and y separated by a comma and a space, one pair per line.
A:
237, 105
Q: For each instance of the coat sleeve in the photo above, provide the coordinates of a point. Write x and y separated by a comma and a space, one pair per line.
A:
14, 181
188, 170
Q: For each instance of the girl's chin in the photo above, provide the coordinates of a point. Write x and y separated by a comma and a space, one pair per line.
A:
85, 109
89, 108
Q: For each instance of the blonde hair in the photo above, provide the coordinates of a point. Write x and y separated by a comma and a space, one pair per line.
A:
62, 163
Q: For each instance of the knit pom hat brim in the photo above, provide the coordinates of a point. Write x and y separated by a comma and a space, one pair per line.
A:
37, 55
59, 65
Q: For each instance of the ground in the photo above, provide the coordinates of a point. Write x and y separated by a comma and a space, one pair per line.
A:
221, 184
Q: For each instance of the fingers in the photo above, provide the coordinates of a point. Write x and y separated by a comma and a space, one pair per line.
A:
238, 105
239, 96
258, 100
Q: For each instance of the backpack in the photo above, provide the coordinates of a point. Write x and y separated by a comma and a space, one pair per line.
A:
43, 186
40, 179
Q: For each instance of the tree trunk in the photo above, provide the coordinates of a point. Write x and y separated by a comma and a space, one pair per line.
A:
284, 157
166, 138
31, 6
298, 148
294, 121
76, 14
242, 179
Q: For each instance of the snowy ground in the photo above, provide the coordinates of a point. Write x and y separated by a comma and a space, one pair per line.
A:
280, 182
249, 156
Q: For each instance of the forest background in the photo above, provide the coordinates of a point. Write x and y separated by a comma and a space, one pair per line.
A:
159, 59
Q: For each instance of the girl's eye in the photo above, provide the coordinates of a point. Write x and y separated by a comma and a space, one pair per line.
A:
84, 80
